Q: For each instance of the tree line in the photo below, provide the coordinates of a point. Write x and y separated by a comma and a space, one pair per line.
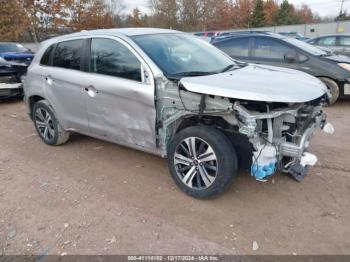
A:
40, 19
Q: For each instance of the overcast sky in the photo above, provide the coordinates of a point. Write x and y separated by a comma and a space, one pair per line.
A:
322, 7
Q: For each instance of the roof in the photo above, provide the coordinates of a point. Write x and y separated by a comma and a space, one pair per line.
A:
247, 34
336, 34
121, 31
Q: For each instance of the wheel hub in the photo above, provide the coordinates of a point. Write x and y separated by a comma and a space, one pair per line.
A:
195, 163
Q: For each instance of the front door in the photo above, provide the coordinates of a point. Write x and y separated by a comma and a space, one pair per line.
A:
120, 99
273, 52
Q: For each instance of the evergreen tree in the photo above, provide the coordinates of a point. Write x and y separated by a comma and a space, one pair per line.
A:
286, 14
258, 19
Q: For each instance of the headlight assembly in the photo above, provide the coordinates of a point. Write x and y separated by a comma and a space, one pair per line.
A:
345, 66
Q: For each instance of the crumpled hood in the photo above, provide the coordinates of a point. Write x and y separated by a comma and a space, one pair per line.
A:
259, 83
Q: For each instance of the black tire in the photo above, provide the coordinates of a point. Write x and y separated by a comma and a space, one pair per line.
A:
56, 136
226, 163
333, 89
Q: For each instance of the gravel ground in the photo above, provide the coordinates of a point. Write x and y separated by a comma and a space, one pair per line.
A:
93, 197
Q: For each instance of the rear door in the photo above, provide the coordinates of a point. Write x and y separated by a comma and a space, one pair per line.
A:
344, 42
331, 42
64, 85
238, 48
120, 94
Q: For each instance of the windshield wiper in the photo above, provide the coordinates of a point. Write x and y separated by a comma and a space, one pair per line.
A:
227, 68
191, 73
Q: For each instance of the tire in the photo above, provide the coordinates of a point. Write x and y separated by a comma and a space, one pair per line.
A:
332, 87
47, 125
198, 174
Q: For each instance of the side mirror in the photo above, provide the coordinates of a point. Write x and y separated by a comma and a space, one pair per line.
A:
289, 57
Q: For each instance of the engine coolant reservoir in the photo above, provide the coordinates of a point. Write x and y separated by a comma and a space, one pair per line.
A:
264, 162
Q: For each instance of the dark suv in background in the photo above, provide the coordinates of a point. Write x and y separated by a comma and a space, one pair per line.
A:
277, 50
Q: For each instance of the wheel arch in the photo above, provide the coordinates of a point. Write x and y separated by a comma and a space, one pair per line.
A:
32, 100
240, 142
339, 85
205, 120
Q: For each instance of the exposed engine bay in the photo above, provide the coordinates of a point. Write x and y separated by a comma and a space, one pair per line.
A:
276, 134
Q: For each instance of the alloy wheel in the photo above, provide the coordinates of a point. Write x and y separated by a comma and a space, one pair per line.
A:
44, 124
195, 163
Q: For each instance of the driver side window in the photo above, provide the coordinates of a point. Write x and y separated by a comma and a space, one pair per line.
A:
109, 57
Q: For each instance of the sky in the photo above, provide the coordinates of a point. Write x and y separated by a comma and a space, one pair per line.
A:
322, 7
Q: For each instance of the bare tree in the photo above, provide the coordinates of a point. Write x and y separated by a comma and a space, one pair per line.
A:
90, 14
190, 15
12, 26
116, 7
165, 12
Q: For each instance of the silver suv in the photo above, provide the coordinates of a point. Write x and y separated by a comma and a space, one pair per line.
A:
176, 96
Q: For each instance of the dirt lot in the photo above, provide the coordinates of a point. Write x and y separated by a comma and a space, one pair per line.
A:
93, 197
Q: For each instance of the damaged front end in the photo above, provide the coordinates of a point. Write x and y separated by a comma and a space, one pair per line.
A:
280, 134
268, 134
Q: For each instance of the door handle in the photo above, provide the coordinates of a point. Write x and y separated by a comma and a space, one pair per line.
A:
91, 90
49, 80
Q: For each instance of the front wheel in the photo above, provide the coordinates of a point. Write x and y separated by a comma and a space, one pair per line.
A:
202, 161
333, 89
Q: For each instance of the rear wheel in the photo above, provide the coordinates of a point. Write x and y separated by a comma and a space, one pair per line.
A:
332, 87
202, 161
47, 125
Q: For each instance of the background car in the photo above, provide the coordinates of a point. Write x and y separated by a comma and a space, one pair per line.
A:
274, 49
295, 35
11, 78
338, 43
15, 52
228, 34
14, 61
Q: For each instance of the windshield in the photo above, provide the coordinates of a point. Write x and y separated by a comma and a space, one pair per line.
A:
179, 53
12, 47
306, 47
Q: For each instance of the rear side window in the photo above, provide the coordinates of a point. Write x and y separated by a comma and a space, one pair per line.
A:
68, 54
45, 59
109, 57
270, 49
345, 40
237, 47
327, 41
